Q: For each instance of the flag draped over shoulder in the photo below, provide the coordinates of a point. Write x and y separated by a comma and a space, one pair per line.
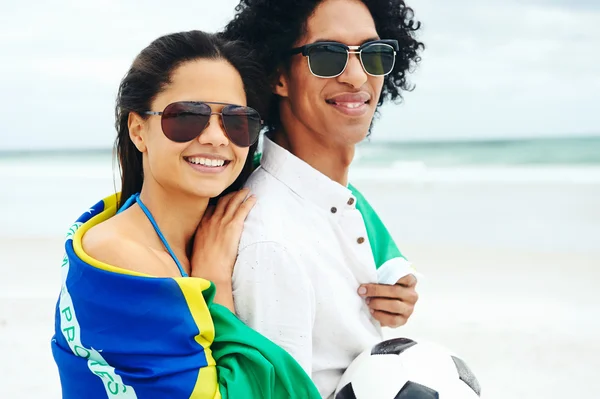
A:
124, 335
121, 334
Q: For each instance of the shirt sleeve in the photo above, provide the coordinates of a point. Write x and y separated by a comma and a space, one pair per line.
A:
274, 296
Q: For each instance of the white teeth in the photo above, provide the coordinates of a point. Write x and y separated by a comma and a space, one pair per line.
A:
206, 161
350, 105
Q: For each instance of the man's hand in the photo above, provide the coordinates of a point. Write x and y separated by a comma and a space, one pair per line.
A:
391, 305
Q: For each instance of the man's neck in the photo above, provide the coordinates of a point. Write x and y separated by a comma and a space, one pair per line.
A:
331, 160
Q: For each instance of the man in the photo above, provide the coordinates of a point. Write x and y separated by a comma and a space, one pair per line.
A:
317, 272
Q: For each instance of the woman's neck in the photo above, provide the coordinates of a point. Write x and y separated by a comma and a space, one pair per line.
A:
177, 215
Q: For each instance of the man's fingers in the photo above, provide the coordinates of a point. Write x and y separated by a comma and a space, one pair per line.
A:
392, 306
388, 319
408, 281
399, 292
379, 290
411, 296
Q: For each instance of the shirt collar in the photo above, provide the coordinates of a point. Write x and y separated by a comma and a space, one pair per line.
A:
304, 180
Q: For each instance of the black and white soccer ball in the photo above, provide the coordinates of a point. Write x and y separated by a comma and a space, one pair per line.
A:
401, 368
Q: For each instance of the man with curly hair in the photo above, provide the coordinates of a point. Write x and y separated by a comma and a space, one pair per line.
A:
306, 275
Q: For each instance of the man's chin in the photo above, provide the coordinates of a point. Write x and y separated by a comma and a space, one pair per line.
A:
349, 134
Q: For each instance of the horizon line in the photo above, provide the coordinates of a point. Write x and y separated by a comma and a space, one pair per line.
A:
368, 140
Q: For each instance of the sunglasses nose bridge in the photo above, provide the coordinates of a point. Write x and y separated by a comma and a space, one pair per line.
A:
354, 50
354, 72
221, 128
207, 125
220, 118
357, 53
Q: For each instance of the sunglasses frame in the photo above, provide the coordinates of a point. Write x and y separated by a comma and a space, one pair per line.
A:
304, 50
160, 113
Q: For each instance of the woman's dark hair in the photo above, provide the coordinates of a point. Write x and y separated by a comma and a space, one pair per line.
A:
272, 27
151, 73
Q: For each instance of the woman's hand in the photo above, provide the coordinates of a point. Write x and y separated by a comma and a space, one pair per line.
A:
217, 240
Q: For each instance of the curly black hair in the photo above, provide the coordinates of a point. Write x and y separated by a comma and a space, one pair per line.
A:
272, 27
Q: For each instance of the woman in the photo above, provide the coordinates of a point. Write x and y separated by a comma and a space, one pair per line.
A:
130, 323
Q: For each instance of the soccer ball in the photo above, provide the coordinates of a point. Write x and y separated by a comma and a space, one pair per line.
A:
401, 368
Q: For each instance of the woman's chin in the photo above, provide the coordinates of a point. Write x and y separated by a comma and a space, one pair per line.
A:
208, 190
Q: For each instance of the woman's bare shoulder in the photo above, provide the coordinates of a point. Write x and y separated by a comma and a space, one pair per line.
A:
115, 242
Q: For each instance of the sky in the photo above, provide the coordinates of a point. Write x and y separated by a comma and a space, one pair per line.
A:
491, 69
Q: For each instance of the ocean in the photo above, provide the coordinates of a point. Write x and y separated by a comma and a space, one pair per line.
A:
525, 180
560, 159
570, 160
579, 151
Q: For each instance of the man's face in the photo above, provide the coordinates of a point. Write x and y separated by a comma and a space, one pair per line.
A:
335, 111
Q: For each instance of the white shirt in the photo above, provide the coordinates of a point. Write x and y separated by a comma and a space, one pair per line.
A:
302, 256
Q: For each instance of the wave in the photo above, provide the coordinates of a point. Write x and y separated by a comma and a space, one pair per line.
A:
419, 172
101, 168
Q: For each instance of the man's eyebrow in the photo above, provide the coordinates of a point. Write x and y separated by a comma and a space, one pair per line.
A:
325, 40
371, 39
337, 41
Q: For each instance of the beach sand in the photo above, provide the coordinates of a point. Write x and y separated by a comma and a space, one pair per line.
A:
519, 304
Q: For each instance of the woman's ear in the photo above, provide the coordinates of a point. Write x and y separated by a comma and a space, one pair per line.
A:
137, 128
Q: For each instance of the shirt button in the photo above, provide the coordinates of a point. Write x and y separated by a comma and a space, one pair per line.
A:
351, 201
360, 240
333, 209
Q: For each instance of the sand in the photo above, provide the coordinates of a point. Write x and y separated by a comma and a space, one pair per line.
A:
511, 284
527, 323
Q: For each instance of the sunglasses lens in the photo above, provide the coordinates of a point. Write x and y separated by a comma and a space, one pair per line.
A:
378, 59
327, 60
242, 125
184, 121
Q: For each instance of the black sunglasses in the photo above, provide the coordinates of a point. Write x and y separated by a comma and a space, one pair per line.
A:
183, 121
329, 59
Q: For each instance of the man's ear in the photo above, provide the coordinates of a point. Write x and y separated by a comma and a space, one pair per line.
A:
281, 84
136, 126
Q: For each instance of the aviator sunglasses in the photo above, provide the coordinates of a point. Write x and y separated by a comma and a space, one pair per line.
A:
330, 59
183, 121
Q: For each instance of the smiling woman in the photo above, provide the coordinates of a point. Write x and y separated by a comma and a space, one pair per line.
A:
146, 307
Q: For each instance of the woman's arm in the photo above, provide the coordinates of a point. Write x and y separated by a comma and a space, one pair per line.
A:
217, 241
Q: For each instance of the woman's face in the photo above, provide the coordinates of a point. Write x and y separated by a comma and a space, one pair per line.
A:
209, 163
